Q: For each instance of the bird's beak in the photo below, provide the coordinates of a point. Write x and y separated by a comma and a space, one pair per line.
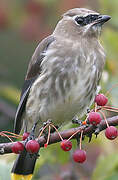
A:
102, 19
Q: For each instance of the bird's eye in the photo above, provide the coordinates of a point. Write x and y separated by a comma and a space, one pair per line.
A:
79, 20
94, 17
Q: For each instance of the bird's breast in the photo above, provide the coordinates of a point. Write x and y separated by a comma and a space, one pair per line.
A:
61, 91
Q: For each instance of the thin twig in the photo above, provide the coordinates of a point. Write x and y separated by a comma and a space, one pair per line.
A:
48, 135
57, 131
104, 118
80, 145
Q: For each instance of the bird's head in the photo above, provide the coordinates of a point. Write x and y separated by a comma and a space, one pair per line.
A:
80, 22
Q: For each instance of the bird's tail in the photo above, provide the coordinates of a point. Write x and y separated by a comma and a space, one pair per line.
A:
24, 166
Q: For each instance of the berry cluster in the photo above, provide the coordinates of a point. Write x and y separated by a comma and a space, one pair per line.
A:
111, 131
32, 146
79, 155
94, 118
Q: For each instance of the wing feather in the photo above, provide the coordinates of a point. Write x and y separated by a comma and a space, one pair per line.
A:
34, 70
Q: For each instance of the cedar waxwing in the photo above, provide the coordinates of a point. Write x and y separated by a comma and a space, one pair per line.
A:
62, 78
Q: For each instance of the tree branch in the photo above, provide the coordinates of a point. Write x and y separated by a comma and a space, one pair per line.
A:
5, 148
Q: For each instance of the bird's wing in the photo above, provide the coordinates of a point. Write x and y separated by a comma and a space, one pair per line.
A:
34, 70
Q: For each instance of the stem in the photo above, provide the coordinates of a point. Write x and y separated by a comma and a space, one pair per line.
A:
48, 135
108, 92
15, 135
110, 110
95, 106
109, 107
2, 134
57, 131
42, 131
80, 145
75, 133
104, 118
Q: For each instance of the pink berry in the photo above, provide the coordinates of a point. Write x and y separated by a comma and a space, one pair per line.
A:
17, 147
32, 146
25, 135
101, 100
79, 155
66, 145
94, 118
111, 132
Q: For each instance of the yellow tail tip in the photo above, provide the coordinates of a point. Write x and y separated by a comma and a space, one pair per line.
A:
20, 177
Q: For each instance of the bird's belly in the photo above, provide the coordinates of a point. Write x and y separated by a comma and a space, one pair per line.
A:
76, 102
59, 109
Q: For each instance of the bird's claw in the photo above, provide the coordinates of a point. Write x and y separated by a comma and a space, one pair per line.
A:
88, 110
47, 122
90, 137
97, 131
76, 120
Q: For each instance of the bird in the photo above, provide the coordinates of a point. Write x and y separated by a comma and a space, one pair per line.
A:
62, 78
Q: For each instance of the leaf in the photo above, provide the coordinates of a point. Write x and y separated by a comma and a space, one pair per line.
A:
105, 166
114, 176
10, 93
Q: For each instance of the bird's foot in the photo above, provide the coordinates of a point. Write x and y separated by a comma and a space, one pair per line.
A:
97, 131
43, 129
76, 120
90, 137
88, 110
47, 122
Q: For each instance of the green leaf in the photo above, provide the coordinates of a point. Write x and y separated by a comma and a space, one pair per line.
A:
105, 166
10, 93
114, 176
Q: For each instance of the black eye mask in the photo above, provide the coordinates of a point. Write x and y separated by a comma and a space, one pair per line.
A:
83, 21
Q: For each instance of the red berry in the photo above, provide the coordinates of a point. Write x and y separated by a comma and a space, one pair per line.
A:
32, 146
66, 145
111, 132
79, 155
94, 118
101, 100
17, 147
25, 135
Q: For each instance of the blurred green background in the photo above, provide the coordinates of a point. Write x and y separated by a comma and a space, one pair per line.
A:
23, 24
